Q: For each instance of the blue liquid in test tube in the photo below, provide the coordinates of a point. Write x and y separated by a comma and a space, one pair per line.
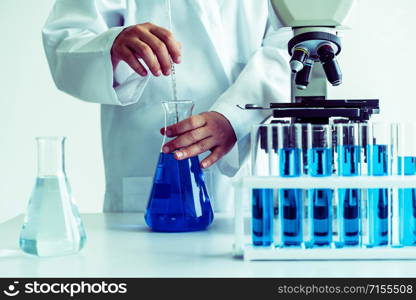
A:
290, 199
350, 199
378, 198
320, 200
262, 217
407, 203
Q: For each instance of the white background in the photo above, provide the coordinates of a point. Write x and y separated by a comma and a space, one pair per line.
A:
377, 62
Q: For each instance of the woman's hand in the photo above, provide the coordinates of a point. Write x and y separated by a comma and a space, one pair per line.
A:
155, 45
209, 131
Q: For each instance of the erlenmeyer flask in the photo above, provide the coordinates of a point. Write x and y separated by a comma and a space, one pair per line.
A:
52, 224
179, 198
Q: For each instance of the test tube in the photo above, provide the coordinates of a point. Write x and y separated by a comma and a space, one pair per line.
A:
262, 199
290, 200
320, 200
406, 165
348, 151
379, 154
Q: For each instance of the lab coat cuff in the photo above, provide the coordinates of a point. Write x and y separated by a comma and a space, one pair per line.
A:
232, 161
130, 91
127, 85
235, 116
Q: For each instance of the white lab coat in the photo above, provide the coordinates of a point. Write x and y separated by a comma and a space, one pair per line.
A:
233, 52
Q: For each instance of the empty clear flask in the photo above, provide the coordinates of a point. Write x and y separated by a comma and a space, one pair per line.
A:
179, 199
52, 223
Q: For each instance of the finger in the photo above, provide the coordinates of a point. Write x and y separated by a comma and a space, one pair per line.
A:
132, 61
191, 123
143, 51
186, 139
216, 154
195, 149
159, 48
172, 45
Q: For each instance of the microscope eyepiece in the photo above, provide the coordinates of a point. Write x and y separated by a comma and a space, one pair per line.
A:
300, 54
330, 64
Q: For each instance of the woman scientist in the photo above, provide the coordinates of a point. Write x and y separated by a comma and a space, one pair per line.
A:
118, 53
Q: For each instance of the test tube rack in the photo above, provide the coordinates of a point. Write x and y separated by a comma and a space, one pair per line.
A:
244, 248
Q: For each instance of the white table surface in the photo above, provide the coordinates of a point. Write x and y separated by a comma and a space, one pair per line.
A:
120, 245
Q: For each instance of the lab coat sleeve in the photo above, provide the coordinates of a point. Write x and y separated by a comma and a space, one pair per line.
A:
78, 37
265, 79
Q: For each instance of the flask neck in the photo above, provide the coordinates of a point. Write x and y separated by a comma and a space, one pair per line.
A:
176, 111
51, 156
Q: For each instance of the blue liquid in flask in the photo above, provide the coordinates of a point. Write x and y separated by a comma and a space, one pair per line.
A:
179, 199
407, 204
378, 198
320, 200
291, 199
350, 199
262, 217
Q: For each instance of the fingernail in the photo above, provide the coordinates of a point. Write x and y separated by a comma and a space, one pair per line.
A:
178, 60
167, 73
166, 149
179, 154
168, 132
158, 73
143, 73
204, 164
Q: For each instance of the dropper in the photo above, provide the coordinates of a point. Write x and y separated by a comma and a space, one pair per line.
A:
173, 71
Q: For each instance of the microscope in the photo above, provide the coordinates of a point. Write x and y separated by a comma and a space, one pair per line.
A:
315, 44
317, 164
314, 49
